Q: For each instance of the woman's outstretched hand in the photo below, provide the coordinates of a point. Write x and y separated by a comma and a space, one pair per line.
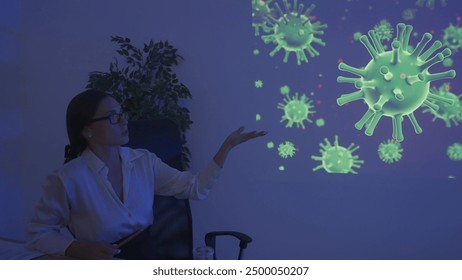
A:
235, 138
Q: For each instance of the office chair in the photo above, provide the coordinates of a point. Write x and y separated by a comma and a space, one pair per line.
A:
172, 231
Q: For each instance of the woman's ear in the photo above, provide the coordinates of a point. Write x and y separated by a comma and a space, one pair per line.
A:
87, 133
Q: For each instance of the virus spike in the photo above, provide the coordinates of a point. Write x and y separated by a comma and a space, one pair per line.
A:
398, 128
375, 120
379, 104
415, 123
345, 67
372, 51
436, 45
398, 94
431, 105
437, 58
440, 98
345, 98
312, 51
360, 124
283, 17
375, 40
421, 45
342, 79
294, 10
415, 78
406, 37
396, 49
300, 9
400, 32
309, 10
442, 75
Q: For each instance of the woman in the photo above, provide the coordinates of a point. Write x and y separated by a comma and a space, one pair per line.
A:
104, 192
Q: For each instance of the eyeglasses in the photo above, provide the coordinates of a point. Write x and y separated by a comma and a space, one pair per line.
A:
114, 118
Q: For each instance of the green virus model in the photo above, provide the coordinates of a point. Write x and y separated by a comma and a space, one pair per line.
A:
447, 112
320, 122
260, 9
294, 32
384, 30
397, 82
390, 151
296, 110
452, 37
286, 149
430, 3
337, 159
455, 152
409, 14
258, 83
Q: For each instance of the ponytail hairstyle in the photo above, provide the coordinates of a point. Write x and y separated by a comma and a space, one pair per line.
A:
79, 112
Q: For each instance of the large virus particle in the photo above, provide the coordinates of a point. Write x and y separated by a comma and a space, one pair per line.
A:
397, 82
296, 109
384, 30
260, 9
337, 159
430, 3
447, 112
286, 149
452, 37
293, 31
455, 152
390, 151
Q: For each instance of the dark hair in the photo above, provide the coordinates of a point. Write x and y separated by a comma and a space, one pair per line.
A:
79, 112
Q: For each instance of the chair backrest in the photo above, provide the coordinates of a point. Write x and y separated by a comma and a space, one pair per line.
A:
172, 228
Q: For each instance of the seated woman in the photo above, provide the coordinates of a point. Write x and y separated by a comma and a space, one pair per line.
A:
104, 192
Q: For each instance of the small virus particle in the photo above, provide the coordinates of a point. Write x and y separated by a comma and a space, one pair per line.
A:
395, 83
270, 145
286, 149
256, 52
260, 9
448, 62
320, 122
452, 37
383, 30
409, 14
284, 90
296, 110
258, 117
455, 152
281, 168
337, 159
293, 31
430, 3
258, 83
447, 112
390, 151
357, 35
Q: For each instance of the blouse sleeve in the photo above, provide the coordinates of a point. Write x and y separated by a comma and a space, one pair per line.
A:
184, 184
47, 230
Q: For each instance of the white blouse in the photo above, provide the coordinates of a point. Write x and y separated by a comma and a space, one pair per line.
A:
79, 196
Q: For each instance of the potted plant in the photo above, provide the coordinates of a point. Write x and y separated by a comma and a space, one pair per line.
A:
146, 86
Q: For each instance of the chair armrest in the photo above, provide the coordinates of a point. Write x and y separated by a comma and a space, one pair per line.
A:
210, 240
